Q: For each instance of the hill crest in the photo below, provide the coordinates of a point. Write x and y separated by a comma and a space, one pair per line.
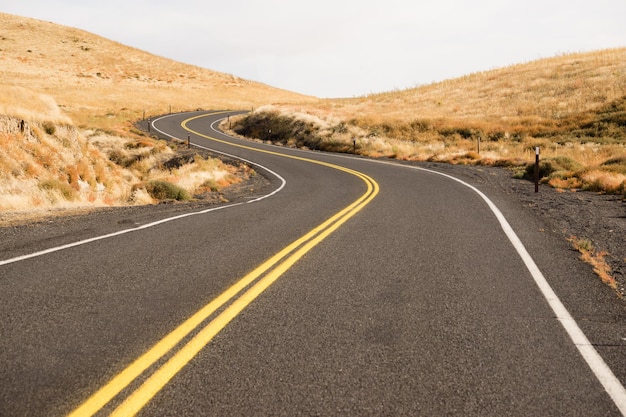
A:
86, 72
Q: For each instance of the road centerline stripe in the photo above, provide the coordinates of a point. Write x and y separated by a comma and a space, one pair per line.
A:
272, 268
140, 397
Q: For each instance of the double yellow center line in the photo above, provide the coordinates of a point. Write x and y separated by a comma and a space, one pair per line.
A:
234, 299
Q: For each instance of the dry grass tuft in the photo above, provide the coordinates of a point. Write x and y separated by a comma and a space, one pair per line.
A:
595, 258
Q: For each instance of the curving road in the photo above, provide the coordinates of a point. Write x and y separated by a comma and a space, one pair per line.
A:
348, 287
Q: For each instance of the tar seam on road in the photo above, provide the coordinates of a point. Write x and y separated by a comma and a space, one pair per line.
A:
256, 282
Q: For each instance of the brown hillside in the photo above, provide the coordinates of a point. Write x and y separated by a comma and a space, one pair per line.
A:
539, 92
572, 106
88, 75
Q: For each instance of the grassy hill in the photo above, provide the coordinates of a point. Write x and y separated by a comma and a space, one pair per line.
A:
68, 100
91, 77
572, 106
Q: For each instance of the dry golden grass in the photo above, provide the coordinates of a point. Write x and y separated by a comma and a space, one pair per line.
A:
26, 104
68, 100
92, 78
520, 95
596, 259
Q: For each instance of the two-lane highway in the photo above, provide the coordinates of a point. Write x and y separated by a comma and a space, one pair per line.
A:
352, 288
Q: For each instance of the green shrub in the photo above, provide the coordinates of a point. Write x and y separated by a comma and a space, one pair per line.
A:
211, 185
617, 165
277, 128
163, 190
49, 128
65, 189
559, 167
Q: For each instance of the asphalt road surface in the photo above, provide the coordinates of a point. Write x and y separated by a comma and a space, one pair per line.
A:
347, 287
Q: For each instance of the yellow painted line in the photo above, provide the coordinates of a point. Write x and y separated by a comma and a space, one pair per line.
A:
157, 381
136, 401
351, 171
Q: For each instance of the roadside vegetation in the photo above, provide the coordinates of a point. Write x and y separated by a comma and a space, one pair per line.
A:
69, 101
573, 107
46, 162
596, 259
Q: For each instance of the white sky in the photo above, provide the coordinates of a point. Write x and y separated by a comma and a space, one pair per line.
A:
344, 48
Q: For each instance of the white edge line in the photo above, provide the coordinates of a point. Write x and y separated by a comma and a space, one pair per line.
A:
158, 222
598, 366
601, 370
282, 180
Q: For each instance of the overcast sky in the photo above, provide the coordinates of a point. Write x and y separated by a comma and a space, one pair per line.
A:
344, 48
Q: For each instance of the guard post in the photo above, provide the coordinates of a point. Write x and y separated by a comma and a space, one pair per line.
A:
537, 169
